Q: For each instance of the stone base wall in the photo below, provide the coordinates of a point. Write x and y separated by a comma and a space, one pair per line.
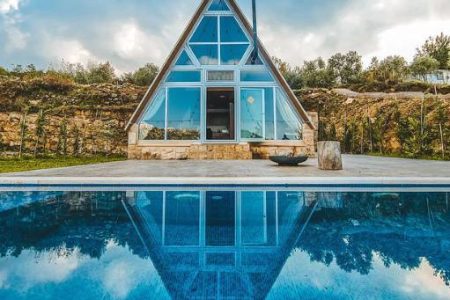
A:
220, 152
180, 150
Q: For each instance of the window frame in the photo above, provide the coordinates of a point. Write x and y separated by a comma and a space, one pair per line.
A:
219, 15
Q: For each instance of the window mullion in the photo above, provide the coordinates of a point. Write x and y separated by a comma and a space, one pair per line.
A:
166, 114
219, 41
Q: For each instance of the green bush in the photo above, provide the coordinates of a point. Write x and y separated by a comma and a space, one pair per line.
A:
143, 76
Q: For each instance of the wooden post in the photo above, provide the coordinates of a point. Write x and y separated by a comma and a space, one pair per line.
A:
330, 157
442, 141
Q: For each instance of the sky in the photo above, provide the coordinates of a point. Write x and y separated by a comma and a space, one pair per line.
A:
131, 33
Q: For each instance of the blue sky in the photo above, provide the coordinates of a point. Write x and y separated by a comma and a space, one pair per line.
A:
133, 32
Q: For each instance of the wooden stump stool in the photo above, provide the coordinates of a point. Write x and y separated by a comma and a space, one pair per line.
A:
330, 157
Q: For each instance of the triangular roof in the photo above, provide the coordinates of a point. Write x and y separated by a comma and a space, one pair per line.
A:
182, 41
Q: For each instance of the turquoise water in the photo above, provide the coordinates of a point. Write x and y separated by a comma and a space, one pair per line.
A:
224, 244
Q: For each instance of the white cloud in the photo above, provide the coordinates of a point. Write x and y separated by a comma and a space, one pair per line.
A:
131, 42
71, 50
7, 6
295, 31
370, 27
412, 36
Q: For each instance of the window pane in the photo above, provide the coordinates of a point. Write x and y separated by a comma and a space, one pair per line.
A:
183, 114
206, 54
184, 76
230, 31
218, 5
184, 60
153, 122
206, 31
252, 117
289, 126
182, 219
254, 62
232, 54
256, 75
270, 114
220, 75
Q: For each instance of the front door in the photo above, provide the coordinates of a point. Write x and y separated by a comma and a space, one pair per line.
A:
220, 111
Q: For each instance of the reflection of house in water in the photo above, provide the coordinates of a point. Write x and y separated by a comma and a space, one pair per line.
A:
219, 244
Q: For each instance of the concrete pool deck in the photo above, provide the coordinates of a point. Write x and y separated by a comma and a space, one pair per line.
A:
358, 170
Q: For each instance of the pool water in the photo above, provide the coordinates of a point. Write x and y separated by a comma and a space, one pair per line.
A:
224, 244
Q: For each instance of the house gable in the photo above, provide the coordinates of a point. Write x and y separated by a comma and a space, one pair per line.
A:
202, 44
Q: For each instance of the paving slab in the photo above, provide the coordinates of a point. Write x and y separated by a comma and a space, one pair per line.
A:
357, 170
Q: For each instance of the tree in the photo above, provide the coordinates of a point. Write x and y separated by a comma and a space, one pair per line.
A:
144, 76
40, 131
3, 72
315, 74
437, 47
448, 63
424, 65
291, 74
346, 68
101, 73
390, 69
23, 132
62, 138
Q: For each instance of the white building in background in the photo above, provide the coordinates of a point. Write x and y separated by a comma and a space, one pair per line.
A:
437, 77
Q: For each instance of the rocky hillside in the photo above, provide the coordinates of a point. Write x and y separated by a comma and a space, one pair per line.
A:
49, 115
411, 124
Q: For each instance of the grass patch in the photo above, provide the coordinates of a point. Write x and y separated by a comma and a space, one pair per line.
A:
8, 165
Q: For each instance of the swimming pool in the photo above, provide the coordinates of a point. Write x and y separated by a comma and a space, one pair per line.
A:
224, 243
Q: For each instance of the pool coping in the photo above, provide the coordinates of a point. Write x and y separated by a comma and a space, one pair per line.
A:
232, 181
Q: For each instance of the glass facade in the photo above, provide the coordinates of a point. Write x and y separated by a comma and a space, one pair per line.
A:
208, 45
218, 5
256, 76
269, 114
184, 60
183, 114
217, 57
184, 76
252, 114
152, 126
230, 31
206, 54
206, 31
288, 124
232, 54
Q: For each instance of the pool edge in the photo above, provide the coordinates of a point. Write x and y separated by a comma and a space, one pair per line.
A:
205, 181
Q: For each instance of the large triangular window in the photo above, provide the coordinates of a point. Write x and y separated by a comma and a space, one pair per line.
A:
251, 105
219, 40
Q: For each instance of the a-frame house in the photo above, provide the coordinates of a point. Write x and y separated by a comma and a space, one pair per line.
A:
217, 98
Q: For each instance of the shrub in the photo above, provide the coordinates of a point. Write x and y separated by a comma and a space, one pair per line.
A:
143, 76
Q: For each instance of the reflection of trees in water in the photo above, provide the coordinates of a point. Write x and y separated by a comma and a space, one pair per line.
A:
348, 228
400, 228
82, 220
